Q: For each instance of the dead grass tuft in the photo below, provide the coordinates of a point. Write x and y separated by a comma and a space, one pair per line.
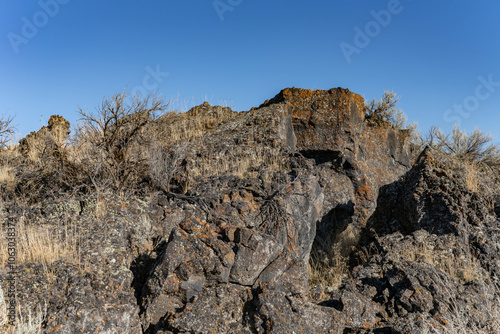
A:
44, 244
462, 320
471, 176
31, 323
464, 268
246, 163
7, 177
329, 272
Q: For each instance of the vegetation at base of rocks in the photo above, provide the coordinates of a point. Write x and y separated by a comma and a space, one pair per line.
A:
329, 272
462, 320
29, 324
43, 244
247, 196
247, 162
465, 269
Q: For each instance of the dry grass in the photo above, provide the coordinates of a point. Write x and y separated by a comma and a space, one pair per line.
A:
466, 269
38, 146
173, 127
164, 161
471, 175
245, 163
28, 324
7, 177
461, 320
329, 272
42, 245
100, 209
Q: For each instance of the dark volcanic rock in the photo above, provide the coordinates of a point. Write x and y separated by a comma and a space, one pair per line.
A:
352, 159
227, 246
201, 255
431, 243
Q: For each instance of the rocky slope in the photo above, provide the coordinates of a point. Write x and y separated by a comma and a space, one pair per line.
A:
264, 198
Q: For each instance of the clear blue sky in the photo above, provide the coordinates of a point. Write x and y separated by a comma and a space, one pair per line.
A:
434, 55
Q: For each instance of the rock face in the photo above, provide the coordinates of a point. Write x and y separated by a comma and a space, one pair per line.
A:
352, 159
265, 190
48, 138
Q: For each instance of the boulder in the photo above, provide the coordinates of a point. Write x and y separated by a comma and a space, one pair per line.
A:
47, 139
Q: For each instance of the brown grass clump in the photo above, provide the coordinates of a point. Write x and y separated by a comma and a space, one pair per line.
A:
466, 269
44, 244
29, 324
328, 272
7, 177
472, 176
244, 164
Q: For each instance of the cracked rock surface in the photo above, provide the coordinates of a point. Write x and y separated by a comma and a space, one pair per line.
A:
233, 252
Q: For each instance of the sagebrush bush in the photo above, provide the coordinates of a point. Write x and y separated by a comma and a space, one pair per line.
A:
477, 147
385, 113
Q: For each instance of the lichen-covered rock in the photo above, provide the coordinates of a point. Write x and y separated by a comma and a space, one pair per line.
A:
431, 245
48, 138
200, 255
272, 311
227, 248
352, 158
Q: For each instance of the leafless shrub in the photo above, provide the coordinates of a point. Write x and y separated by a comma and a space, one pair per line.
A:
7, 130
273, 215
109, 140
164, 162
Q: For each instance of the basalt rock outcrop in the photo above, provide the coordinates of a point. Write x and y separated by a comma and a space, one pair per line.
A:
48, 138
301, 179
352, 160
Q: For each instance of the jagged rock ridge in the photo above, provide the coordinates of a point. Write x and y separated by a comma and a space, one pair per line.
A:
302, 174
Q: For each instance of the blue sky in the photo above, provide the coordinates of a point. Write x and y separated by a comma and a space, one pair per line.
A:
441, 58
